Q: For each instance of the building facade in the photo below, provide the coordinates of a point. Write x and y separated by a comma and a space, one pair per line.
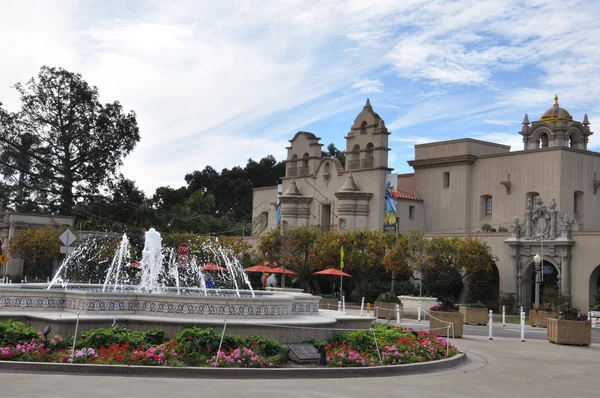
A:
542, 199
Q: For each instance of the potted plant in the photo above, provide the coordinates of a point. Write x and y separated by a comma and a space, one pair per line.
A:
443, 314
567, 325
538, 316
476, 313
386, 306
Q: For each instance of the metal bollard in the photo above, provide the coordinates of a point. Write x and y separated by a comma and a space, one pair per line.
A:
362, 306
490, 323
343, 304
503, 316
419, 312
368, 309
339, 306
397, 314
522, 326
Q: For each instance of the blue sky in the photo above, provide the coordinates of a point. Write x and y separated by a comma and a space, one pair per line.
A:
215, 83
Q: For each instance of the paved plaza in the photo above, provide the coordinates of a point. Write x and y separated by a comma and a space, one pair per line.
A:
502, 367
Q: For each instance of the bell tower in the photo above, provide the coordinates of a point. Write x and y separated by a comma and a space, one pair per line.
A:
367, 142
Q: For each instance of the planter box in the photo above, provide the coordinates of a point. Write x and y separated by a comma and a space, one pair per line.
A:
539, 318
329, 304
439, 322
569, 332
478, 316
410, 305
385, 310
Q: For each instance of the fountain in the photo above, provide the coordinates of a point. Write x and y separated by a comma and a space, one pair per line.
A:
163, 294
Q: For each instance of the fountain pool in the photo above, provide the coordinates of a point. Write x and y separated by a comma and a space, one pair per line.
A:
165, 297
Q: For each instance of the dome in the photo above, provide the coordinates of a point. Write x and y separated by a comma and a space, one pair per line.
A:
551, 115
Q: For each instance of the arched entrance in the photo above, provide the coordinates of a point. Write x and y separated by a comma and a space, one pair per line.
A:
594, 283
550, 279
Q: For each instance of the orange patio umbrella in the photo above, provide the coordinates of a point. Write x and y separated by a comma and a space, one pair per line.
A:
259, 268
280, 270
213, 267
333, 272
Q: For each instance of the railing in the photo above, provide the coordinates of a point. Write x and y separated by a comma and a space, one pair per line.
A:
303, 171
292, 171
354, 164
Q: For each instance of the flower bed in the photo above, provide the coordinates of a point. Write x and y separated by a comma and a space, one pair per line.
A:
396, 345
384, 345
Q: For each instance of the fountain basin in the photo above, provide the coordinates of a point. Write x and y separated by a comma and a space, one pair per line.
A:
90, 300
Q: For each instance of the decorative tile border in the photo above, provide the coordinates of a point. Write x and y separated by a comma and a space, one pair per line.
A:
192, 306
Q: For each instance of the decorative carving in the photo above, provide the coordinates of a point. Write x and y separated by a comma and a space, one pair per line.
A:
516, 228
540, 221
506, 184
565, 228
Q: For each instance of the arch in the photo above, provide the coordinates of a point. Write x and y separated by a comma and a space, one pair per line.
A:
551, 279
305, 158
363, 127
294, 158
327, 169
368, 160
594, 284
542, 141
354, 162
574, 139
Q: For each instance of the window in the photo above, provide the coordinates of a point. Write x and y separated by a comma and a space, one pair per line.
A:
543, 141
488, 206
411, 212
446, 179
575, 202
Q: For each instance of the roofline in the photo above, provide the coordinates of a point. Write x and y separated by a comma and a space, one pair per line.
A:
462, 140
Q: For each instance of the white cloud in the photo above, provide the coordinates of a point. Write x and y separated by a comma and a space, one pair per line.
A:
368, 86
214, 83
499, 122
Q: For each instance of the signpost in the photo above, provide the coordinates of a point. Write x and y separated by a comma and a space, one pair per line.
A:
67, 238
184, 250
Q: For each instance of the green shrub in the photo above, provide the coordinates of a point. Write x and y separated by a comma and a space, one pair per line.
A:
120, 335
406, 288
509, 301
196, 345
14, 332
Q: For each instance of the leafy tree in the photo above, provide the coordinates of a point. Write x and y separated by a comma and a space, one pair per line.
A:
63, 145
38, 247
333, 152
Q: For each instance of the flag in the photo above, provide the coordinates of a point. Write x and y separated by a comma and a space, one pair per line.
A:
342, 258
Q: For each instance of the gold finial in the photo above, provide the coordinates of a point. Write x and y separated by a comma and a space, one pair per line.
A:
556, 100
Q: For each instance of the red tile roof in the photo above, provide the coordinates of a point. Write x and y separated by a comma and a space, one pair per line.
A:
409, 196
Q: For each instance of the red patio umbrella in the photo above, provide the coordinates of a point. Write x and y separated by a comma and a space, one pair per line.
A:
280, 270
213, 267
333, 272
259, 268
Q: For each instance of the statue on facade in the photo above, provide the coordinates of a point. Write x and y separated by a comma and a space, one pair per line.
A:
553, 220
565, 228
528, 229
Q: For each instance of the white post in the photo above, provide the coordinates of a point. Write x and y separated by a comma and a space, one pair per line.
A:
343, 304
503, 316
490, 322
339, 306
25, 279
521, 308
47, 279
522, 326
362, 306
419, 312
398, 314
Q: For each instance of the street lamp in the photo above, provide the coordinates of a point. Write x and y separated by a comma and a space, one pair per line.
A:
537, 261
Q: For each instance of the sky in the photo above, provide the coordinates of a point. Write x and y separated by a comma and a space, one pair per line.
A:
218, 82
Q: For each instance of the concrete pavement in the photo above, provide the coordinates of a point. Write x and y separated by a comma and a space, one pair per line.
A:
502, 367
